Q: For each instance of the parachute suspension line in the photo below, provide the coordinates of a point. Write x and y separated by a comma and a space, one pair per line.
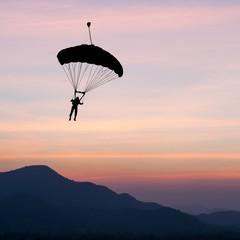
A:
97, 78
94, 81
83, 72
111, 76
100, 84
73, 65
100, 77
79, 65
72, 76
97, 75
105, 76
91, 77
65, 68
70, 73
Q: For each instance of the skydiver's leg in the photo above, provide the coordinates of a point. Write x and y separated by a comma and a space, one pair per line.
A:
70, 115
75, 115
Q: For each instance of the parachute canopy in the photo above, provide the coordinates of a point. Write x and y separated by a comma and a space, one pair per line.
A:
90, 54
89, 66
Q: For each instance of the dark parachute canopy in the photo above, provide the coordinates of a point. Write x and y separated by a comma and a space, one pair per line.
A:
90, 54
88, 66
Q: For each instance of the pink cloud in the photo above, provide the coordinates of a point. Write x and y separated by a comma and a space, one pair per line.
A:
30, 18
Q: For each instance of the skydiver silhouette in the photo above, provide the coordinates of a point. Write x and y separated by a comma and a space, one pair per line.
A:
75, 103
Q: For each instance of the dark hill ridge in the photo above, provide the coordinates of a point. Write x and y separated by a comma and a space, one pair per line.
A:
43, 182
36, 199
23, 213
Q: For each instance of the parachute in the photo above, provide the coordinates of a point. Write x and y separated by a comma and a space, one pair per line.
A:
88, 66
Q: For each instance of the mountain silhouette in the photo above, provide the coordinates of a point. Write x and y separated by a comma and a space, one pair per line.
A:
53, 188
24, 213
36, 199
223, 218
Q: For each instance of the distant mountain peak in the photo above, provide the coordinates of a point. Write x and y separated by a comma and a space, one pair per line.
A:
30, 168
35, 170
44, 182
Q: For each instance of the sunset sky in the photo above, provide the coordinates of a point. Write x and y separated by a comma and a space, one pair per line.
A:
167, 131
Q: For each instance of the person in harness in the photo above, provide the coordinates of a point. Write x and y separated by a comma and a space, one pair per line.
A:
75, 103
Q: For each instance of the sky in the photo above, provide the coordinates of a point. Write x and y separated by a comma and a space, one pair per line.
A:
168, 131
